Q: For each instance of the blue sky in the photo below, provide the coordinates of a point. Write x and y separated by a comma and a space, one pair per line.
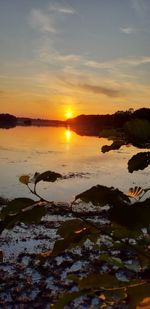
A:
83, 56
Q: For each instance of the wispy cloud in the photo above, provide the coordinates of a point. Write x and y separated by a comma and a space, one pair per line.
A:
42, 21
127, 30
60, 9
45, 20
50, 55
109, 92
75, 83
131, 61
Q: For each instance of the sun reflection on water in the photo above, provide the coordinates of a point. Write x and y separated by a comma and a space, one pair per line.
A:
68, 135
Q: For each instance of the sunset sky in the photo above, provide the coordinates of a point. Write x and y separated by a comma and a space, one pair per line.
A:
74, 56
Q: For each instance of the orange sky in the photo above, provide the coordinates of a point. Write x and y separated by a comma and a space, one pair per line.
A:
80, 56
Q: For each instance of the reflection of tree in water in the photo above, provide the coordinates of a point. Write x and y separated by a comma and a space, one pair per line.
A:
136, 133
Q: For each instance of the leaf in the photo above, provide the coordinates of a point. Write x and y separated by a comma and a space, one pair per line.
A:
102, 195
34, 215
66, 299
74, 232
15, 206
98, 281
133, 216
120, 232
112, 260
71, 226
48, 176
114, 296
24, 179
69, 242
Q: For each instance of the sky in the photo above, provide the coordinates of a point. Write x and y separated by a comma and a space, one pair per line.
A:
77, 56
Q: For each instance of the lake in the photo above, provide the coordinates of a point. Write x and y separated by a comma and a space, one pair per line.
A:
26, 150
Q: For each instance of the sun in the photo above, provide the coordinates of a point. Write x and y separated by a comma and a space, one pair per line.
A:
68, 114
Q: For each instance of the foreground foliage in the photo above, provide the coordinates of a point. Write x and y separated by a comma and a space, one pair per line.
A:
122, 241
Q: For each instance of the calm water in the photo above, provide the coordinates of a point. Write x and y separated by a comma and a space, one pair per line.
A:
26, 150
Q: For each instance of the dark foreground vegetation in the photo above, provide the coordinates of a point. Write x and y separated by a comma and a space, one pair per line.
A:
95, 255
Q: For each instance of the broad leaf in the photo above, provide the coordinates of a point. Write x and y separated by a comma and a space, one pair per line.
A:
98, 281
15, 206
112, 260
101, 196
72, 226
132, 216
48, 176
69, 242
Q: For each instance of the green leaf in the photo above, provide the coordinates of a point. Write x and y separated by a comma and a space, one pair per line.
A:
69, 242
71, 226
98, 281
74, 232
66, 299
48, 176
112, 260
24, 179
15, 206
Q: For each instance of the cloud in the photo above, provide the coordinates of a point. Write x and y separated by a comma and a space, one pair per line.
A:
50, 55
2, 92
109, 92
127, 30
77, 84
42, 21
131, 61
45, 20
60, 9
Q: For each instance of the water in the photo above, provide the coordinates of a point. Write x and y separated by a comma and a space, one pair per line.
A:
26, 150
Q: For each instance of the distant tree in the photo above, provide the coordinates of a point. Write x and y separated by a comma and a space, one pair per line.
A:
142, 113
28, 122
7, 121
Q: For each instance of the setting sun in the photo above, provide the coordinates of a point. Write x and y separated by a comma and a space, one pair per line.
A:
68, 114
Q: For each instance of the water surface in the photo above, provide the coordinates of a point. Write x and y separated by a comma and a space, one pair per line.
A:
26, 150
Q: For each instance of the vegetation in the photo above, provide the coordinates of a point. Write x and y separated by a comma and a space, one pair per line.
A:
103, 228
7, 121
122, 243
